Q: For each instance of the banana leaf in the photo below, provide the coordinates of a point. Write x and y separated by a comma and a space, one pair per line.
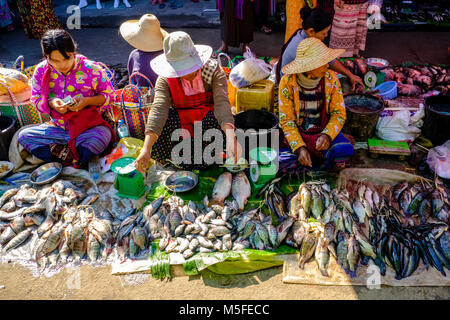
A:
233, 262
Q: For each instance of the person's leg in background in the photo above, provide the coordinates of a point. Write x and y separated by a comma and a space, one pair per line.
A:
361, 29
37, 140
263, 14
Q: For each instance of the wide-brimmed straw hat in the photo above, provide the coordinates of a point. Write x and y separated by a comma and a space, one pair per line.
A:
144, 34
181, 57
311, 54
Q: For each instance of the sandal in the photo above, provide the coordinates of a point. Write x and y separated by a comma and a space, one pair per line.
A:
266, 30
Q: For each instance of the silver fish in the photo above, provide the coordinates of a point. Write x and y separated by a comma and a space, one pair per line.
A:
283, 229
188, 253
9, 206
89, 200
227, 244
7, 195
217, 245
18, 239
222, 187
322, 256
18, 224
7, 235
193, 245
240, 189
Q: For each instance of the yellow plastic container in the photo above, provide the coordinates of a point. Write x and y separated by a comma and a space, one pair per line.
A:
255, 97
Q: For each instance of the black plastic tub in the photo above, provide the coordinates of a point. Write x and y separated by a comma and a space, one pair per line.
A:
6, 134
256, 128
363, 112
436, 126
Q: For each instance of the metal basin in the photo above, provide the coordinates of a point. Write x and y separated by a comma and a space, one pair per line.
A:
181, 181
46, 173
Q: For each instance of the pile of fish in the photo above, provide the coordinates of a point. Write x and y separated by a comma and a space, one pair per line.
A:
393, 226
408, 223
256, 231
189, 228
61, 215
415, 80
434, 14
325, 225
274, 198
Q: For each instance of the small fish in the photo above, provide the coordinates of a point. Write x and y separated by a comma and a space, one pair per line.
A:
353, 255
7, 195
283, 229
273, 235
359, 210
93, 248
307, 250
222, 187
9, 206
295, 204
342, 250
18, 240
305, 198
227, 244
183, 244
322, 256
188, 253
89, 200
317, 204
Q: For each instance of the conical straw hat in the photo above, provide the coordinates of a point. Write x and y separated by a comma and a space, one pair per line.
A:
311, 54
144, 34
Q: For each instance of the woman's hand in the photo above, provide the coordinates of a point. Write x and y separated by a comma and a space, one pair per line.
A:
58, 105
356, 82
80, 103
339, 3
141, 162
304, 157
234, 148
323, 143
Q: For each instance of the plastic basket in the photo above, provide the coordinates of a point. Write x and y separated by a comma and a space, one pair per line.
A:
388, 90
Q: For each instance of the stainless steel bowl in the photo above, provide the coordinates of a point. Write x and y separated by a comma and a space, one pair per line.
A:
46, 173
181, 181
378, 63
10, 168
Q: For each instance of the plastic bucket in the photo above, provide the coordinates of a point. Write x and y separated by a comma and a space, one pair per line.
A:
388, 90
6, 134
363, 112
256, 128
437, 119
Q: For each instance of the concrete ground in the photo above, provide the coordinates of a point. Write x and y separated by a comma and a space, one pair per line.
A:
106, 45
89, 283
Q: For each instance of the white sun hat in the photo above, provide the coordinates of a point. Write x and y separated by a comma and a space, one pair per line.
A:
181, 57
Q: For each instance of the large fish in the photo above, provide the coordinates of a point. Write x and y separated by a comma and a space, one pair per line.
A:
222, 187
241, 189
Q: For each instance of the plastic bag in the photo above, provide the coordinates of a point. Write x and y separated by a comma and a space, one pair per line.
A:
127, 147
400, 125
439, 160
12, 79
249, 71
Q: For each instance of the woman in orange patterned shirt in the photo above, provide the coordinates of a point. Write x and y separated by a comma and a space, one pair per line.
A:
311, 108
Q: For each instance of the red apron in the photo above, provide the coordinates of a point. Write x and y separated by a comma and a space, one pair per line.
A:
190, 108
310, 136
78, 122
